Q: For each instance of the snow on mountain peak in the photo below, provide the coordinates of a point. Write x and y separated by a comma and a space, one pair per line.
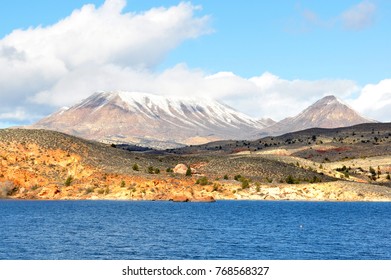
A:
143, 117
184, 107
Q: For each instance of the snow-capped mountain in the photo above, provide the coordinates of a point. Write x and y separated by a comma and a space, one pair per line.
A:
328, 112
135, 117
164, 122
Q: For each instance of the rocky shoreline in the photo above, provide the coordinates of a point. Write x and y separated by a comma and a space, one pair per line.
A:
331, 191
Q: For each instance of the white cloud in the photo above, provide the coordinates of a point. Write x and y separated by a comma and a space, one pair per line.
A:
103, 49
356, 18
38, 63
278, 98
263, 96
375, 100
18, 115
106, 35
359, 16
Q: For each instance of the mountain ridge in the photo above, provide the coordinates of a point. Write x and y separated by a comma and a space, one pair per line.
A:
164, 122
142, 117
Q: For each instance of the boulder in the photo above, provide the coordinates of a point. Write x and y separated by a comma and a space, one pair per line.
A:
180, 169
205, 199
180, 198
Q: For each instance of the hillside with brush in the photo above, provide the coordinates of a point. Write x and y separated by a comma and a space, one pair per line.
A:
42, 164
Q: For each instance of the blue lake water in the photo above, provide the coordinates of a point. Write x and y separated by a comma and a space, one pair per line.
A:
165, 230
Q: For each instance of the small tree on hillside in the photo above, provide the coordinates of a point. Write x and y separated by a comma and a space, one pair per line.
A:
135, 167
68, 181
290, 180
188, 171
150, 170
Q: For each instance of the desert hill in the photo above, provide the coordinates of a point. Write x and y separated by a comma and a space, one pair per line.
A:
41, 164
368, 139
360, 153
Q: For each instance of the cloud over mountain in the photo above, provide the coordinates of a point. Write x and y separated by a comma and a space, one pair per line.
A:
104, 49
38, 63
375, 100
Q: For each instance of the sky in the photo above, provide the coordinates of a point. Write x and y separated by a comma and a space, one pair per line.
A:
263, 58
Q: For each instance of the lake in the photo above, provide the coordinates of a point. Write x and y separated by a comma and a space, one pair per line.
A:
275, 230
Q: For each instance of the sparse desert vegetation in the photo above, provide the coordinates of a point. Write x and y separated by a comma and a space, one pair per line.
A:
315, 164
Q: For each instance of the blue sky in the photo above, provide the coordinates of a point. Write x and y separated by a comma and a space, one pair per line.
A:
251, 37
297, 51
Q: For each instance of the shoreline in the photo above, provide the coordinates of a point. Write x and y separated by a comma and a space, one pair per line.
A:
325, 191
198, 201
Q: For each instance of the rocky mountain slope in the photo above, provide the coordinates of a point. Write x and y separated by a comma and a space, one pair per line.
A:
131, 117
328, 112
170, 122
42, 164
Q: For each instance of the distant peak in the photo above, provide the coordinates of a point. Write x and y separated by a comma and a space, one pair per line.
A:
330, 100
330, 97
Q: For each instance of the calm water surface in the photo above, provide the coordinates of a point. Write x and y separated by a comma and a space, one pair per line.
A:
222, 230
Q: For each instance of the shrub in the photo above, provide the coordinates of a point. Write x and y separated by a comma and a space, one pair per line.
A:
169, 170
372, 177
238, 177
372, 171
343, 169
150, 170
188, 171
245, 184
122, 184
388, 177
135, 167
315, 179
202, 181
291, 180
89, 190
68, 181
225, 177
101, 191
